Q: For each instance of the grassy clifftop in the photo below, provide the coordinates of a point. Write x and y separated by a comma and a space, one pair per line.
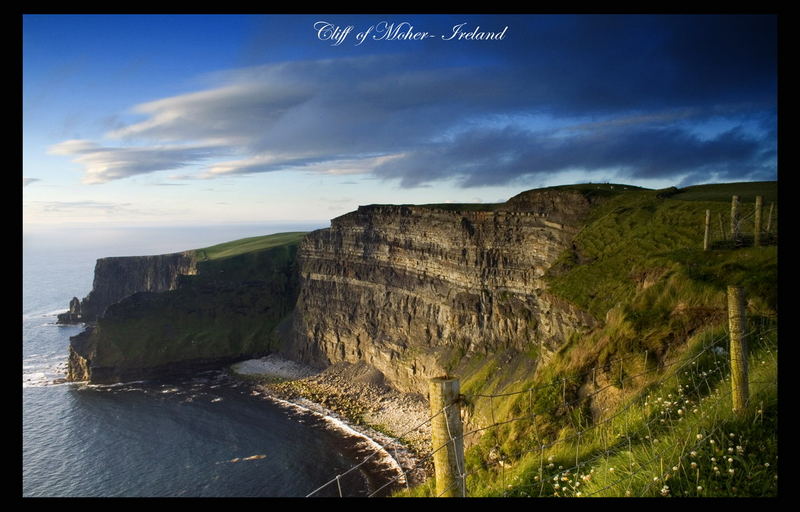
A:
639, 406
248, 245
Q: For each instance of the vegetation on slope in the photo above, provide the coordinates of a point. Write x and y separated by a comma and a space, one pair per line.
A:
245, 245
640, 406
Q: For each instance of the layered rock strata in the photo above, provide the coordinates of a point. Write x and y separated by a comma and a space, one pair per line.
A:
119, 277
408, 288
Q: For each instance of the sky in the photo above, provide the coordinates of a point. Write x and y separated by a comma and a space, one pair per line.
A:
147, 120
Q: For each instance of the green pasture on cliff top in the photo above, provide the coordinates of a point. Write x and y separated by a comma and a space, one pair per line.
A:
244, 245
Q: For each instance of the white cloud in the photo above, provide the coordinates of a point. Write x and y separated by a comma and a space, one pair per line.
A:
104, 164
276, 162
334, 116
28, 181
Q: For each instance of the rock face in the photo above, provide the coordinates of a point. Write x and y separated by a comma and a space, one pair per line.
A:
408, 288
73, 316
153, 316
119, 277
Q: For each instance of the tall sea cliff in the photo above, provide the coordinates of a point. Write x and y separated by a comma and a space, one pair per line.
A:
409, 290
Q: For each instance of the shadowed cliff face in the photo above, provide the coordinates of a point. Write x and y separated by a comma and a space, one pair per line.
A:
404, 288
120, 277
177, 314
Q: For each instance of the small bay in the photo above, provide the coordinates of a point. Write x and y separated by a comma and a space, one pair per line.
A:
202, 436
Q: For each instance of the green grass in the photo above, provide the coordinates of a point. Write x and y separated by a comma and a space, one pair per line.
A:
636, 234
638, 267
659, 442
747, 192
245, 245
598, 189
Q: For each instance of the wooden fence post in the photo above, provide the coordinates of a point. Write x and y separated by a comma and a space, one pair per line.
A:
447, 436
721, 226
757, 221
735, 218
708, 230
738, 348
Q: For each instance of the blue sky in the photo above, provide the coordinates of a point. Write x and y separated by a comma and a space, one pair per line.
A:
205, 119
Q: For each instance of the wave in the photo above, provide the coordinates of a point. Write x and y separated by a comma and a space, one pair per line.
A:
43, 314
384, 457
44, 379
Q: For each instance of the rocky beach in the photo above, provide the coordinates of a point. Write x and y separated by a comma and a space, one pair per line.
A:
355, 400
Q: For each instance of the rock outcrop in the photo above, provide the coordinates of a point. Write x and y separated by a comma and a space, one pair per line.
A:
119, 277
73, 316
408, 288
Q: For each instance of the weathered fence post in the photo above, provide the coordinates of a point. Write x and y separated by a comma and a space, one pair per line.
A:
721, 226
735, 218
447, 436
708, 230
757, 221
738, 348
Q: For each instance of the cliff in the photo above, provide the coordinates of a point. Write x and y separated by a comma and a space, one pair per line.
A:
120, 277
415, 290
155, 315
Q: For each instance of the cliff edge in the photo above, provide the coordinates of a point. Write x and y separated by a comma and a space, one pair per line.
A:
156, 315
119, 277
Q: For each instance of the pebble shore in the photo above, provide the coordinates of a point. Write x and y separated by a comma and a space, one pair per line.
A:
356, 395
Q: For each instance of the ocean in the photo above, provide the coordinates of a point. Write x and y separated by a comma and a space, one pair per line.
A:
205, 436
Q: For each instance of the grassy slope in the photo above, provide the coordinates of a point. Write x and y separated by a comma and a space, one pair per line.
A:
245, 245
241, 292
638, 266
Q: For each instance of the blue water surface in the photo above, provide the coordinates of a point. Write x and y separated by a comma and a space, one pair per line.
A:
202, 436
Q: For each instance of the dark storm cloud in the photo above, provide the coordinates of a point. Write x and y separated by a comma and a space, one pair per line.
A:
482, 157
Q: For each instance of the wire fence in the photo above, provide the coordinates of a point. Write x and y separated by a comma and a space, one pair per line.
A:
602, 438
740, 230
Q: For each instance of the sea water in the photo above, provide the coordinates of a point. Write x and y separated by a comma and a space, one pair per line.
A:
201, 436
